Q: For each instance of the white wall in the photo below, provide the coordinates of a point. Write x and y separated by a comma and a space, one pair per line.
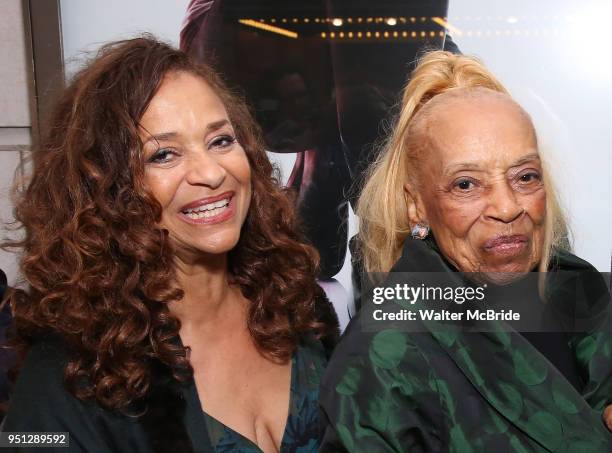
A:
15, 121
563, 78
88, 23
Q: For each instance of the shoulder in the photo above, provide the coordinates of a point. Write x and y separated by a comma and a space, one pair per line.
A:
578, 288
372, 383
40, 401
326, 314
563, 260
372, 356
45, 363
39, 398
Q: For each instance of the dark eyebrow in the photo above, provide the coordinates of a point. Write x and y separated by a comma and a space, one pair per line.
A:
216, 125
161, 137
210, 127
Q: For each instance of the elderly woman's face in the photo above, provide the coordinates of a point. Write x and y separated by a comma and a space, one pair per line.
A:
480, 186
194, 166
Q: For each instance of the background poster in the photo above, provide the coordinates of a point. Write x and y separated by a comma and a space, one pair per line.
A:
321, 97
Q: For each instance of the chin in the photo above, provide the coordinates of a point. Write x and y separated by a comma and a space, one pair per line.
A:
507, 273
219, 245
218, 248
502, 278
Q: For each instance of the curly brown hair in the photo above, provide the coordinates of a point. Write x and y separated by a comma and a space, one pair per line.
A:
99, 270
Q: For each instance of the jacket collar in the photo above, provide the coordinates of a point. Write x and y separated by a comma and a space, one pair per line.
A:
174, 420
505, 368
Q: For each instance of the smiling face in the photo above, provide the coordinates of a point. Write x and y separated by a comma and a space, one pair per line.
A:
194, 166
480, 185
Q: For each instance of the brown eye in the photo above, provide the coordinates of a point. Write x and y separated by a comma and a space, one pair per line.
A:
223, 141
162, 156
530, 177
464, 184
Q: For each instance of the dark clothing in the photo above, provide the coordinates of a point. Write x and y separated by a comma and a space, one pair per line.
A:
462, 391
555, 347
302, 431
3, 284
174, 422
40, 402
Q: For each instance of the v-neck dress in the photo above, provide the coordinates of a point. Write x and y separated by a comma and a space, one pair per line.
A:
173, 422
302, 428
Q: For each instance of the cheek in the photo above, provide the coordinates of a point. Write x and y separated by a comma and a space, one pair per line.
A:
238, 165
245, 173
535, 206
449, 216
452, 221
163, 185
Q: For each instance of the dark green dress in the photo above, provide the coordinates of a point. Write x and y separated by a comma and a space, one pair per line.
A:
174, 422
462, 392
302, 430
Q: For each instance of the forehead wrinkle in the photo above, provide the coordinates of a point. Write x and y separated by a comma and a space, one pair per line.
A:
466, 96
421, 133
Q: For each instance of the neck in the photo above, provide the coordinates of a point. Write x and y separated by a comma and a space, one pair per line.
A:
207, 291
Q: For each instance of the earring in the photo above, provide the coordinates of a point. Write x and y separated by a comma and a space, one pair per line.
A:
420, 231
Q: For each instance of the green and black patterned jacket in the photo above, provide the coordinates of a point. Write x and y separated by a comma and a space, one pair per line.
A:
467, 392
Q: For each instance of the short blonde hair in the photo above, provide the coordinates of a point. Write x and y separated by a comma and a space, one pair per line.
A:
382, 208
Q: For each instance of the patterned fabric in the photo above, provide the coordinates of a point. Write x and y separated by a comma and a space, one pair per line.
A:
452, 391
302, 431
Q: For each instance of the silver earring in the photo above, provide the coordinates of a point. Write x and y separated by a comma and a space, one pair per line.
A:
420, 231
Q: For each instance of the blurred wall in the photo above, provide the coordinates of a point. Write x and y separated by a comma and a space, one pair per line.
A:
15, 119
86, 24
553, 55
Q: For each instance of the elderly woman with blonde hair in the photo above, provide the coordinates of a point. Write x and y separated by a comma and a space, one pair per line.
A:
460, 189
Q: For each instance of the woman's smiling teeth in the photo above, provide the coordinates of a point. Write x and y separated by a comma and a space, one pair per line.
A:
207, 210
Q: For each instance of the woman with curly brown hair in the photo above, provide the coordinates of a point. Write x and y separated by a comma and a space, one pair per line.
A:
171, 303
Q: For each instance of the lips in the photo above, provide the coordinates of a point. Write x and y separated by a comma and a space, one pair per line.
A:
209, 210
207, 201
506, 245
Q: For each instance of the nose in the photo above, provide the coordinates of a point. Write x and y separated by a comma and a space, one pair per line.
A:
203, 169
503, 205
